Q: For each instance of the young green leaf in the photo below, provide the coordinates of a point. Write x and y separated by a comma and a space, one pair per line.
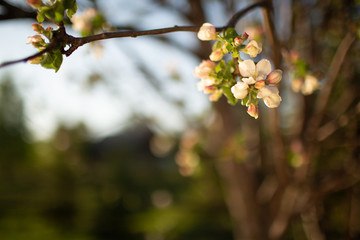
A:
52, 60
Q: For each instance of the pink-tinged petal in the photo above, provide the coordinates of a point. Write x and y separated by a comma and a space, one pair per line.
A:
272, 101
240, 90
263, 67
274, 77
267, 91
216, 55
247, 68
253, 111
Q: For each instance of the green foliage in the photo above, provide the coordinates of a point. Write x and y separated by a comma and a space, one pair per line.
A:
56, 11
52, 60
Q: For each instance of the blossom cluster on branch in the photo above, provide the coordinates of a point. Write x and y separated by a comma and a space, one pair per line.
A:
237, 79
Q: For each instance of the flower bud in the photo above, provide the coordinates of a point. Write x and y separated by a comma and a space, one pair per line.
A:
245, 36
260, 84
274, 77
37, 41
207, 32
216, 55
253, 110
35, 3
238, 41
240, 90
37, 27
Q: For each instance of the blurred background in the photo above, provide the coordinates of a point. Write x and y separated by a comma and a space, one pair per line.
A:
120, 144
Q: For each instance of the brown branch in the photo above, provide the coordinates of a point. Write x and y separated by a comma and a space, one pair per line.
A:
62, 38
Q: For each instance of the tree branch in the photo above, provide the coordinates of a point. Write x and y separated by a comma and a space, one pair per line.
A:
75, 42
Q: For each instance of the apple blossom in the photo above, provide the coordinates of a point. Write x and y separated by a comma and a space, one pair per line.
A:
207, 32
252, 73
82, 22
270, 96
204, 69
310, 84
253, 48
240, 90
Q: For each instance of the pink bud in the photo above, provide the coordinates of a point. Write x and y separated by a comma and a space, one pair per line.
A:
35, 3
260, 84
253, 111
37, 27
238, 41
274, 77
216, 55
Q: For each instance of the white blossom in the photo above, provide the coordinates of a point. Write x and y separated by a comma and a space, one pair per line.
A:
240, 90
252, 72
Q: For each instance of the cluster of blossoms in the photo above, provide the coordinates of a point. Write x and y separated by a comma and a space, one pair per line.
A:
303, 80
237, 79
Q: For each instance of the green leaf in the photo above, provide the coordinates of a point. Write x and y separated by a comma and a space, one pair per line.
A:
221, 65
52, 60
230, 34
71, 7
58, 11
40, 16
229, 96
235, 54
